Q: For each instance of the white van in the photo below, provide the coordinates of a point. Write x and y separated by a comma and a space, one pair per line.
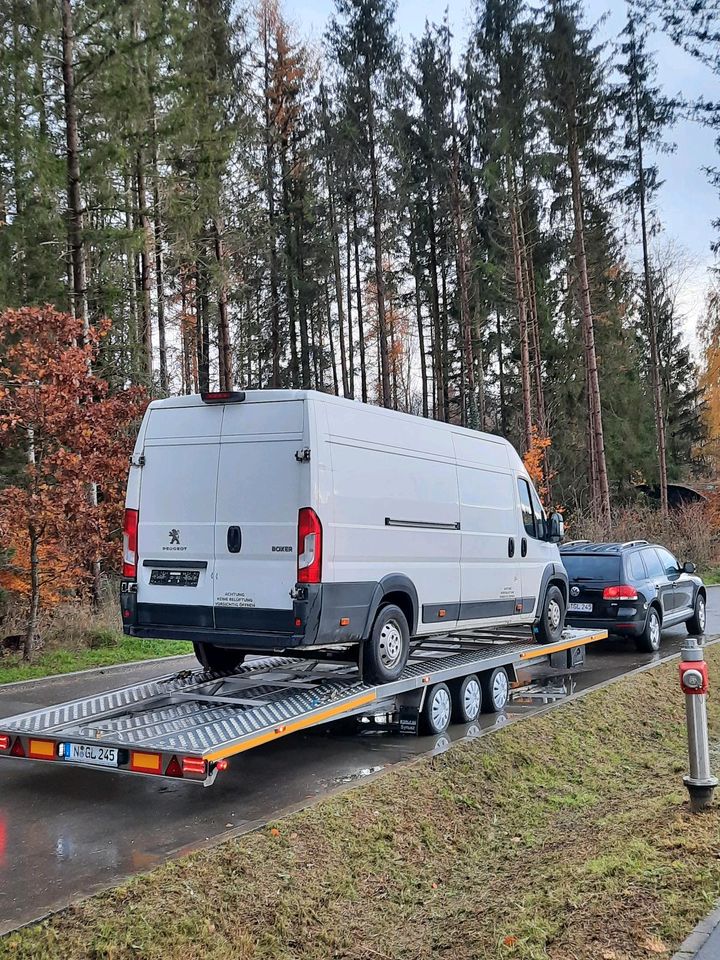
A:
285, 519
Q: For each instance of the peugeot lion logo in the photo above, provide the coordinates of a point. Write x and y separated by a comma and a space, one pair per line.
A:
574, 591
174, 536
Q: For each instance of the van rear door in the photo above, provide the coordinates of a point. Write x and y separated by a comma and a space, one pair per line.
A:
261, 486
176, 556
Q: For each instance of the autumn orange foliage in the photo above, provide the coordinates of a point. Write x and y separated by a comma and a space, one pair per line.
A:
67, 430
535, 461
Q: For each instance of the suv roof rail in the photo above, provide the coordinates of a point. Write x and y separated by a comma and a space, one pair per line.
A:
635, 543
571, 543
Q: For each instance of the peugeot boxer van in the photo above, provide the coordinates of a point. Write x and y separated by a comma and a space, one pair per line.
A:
282, 520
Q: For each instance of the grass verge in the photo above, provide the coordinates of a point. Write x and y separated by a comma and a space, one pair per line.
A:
565, 837
115, 649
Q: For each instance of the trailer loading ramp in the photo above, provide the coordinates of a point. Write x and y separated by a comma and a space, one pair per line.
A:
188, 724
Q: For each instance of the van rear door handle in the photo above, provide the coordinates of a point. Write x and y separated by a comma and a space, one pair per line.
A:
234, 539
523, 547
511, 547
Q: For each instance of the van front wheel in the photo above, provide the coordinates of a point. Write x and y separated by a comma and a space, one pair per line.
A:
386, 650
552, 619
217, 659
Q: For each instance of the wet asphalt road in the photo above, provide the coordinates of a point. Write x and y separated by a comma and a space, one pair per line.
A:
67, 832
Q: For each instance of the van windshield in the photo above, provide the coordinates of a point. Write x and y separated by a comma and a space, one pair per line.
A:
583, 566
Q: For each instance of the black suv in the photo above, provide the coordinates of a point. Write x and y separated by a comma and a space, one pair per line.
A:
632, 589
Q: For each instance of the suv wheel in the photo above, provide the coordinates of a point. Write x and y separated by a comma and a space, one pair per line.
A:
217, 659
386, 651
696, 623
552, 620
649, 639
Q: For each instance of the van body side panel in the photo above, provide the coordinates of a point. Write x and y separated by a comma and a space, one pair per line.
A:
491, 586
260, 487
177, 515
395, 506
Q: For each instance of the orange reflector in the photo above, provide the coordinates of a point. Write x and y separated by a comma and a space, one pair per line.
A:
145, 762
441, 613
344, 621
41, 749
194, 765
280, 729
4, 741
426, 679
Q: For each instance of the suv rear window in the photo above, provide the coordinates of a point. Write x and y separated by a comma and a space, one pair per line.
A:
584, 566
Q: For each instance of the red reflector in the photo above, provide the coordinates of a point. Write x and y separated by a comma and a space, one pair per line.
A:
223, 396
130, 543
4, 741
621, 592
17, 748
298, 622
193, 765
173, 768
221, 765
309, 551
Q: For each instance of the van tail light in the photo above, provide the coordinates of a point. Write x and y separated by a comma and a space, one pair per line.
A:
622, 592
130, 543
309, 550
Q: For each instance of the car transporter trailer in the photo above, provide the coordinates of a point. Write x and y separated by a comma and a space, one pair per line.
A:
187, 725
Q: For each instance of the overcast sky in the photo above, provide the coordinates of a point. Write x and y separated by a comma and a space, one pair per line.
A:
687, 203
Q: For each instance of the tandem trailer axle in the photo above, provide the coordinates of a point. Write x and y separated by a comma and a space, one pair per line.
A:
188, 725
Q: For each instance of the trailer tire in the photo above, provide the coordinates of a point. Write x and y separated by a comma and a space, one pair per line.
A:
217, 659
495, 686
437, 710
467, 699
386, 651
550, 626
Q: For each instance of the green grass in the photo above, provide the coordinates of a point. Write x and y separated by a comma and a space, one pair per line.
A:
711, 576
563, 837
115, 648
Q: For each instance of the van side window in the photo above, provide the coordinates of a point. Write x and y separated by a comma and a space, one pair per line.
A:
526, 507
539, 515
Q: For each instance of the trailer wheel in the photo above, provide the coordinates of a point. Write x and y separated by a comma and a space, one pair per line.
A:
437, 710
467, 699
495, 690
552, 619
217, 659
386, 651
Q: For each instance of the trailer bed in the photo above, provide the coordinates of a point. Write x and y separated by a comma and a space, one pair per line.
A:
187, 724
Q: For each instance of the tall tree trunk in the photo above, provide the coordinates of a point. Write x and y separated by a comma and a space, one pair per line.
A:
415, 266
224, 346
159, 261
651, 325
603, 504
331, 340
522, 316
501, 374
358, 293
145, 256
290, 264
439, 386
348, 291
270, 196
377, 243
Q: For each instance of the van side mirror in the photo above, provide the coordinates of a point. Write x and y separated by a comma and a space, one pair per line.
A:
555, 528
689, 567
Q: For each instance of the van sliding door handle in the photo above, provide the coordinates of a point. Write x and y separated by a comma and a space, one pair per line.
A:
234, 539
523, 547
511, 547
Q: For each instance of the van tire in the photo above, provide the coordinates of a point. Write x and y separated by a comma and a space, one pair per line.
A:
217, 659
550, 626
386, 650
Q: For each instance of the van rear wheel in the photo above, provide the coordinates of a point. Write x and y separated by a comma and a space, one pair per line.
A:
386, 650
217, 659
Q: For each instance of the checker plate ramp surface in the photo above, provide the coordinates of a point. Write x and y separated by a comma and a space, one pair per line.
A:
196, 712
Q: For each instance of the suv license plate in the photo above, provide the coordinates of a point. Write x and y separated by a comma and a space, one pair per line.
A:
84, 753
579, 608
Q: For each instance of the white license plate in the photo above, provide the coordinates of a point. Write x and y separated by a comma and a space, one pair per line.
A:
579, 608
84, 753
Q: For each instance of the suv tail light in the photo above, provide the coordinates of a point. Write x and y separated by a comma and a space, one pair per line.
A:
622, 592
309, 549
130, 543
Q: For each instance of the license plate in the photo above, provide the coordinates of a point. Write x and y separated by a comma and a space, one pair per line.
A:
97, 755
579, 608
174, 578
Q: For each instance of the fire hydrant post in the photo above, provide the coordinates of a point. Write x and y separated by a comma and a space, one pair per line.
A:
694, 683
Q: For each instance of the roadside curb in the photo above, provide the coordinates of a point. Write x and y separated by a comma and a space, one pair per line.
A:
110, 668
704, 942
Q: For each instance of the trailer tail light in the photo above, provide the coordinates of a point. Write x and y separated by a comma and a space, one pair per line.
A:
223, 396
4, 741
130, 543
193, 766
309, 549
621, 592
145, 762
